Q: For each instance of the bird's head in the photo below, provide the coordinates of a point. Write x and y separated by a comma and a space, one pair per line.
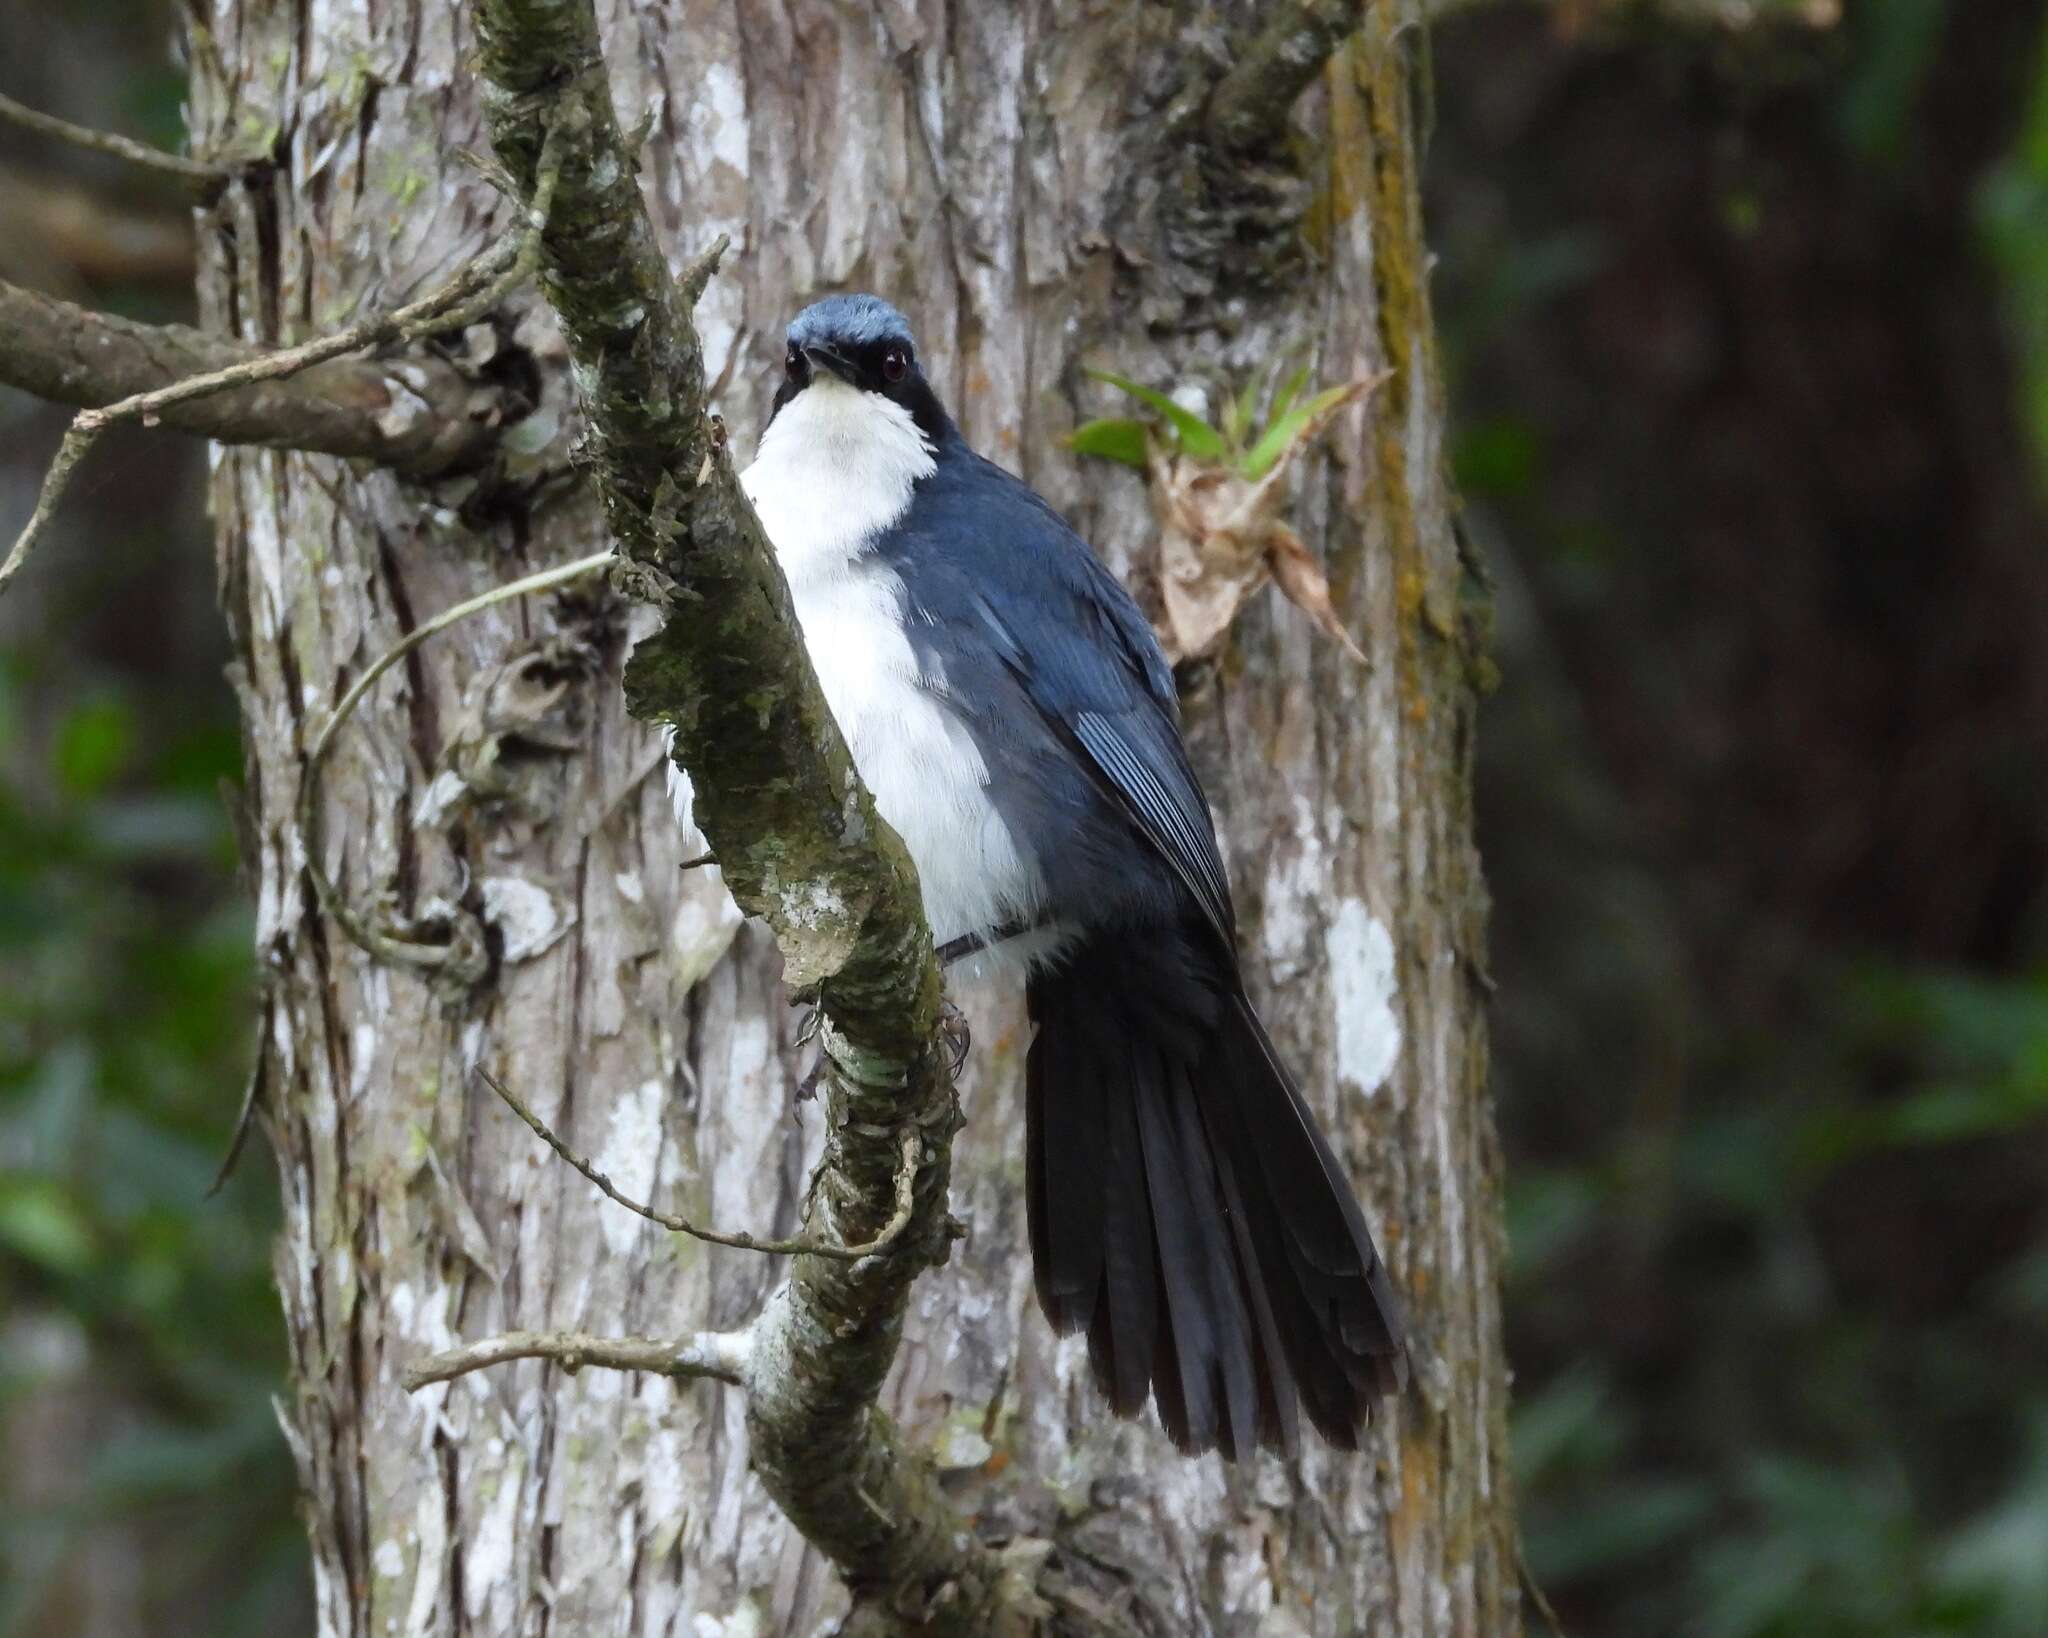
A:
859, 345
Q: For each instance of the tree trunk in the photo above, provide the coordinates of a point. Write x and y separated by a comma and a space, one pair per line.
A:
1015, 179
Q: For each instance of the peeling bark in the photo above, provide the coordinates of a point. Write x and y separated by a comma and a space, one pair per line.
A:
1003, 174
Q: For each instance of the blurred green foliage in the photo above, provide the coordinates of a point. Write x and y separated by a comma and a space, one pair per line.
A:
1894, 44
1745, 1538
124, 1023
2012, 207
1778, 1375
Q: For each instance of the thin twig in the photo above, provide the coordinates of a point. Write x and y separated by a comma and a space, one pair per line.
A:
912, 1150
546, 180
722, 1355
199, 174
78, 439
245, 1118
476, 287
397, 951
1534, 1589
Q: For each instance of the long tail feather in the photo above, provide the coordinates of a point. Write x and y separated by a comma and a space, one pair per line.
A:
1188, 1213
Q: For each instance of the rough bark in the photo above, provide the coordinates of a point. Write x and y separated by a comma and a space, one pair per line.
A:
1030, 185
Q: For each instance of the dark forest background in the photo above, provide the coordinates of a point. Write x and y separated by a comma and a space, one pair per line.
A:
1747, 335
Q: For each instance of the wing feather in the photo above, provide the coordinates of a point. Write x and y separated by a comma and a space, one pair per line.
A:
1168, 818
979, 548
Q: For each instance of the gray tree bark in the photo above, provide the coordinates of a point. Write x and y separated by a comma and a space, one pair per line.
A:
1023, 182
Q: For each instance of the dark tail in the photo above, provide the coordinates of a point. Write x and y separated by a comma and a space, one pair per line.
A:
1186, 1211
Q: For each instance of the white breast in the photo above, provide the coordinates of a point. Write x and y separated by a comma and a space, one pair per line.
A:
835, 468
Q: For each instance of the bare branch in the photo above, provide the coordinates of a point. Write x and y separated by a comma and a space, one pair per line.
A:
1534, 1589
911, 1151
78, 439
491, 274
417, 414
720, 1355
202, 176
494, 272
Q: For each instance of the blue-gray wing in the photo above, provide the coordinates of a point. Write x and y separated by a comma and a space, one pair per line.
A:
1165, 803
1074, 645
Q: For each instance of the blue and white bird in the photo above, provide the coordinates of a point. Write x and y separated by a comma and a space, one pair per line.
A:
1006, 703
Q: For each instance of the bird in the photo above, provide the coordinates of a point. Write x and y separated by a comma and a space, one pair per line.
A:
1007, 705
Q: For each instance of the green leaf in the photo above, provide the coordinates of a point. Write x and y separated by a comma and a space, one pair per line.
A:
1573, 1424
1239, 425
1280, 436
1112, 439
1197, 437
1289, 391
1549, 1212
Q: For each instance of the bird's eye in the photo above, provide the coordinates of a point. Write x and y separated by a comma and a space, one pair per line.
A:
895, 365
794, 363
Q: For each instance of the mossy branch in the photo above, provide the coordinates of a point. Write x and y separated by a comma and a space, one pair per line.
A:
795, 832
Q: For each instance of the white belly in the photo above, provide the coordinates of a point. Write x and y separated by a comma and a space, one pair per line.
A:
834, 470
913, 753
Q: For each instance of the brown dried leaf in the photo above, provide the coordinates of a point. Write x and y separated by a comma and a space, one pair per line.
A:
1297, 573
1221, 534
1212, 527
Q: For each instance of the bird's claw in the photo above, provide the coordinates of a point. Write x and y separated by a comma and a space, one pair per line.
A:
954, 1032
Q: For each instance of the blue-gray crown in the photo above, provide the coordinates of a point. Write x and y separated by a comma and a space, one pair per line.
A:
848, 321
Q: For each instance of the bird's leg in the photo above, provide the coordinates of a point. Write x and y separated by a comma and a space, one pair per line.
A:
967, 944
807, 1036
959, 949
953, 1029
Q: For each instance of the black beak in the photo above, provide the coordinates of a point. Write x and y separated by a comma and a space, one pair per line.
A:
825, 358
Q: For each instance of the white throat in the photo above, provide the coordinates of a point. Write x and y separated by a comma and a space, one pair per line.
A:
835, 468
